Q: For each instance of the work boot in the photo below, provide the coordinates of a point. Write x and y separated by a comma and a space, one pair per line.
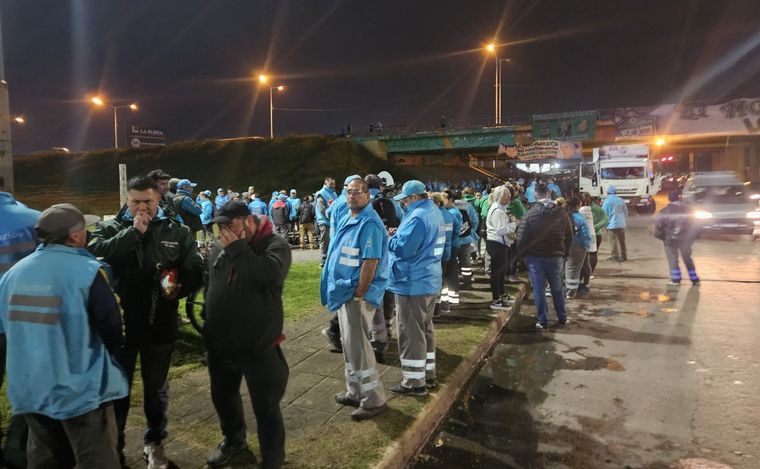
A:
343, 399
226, 454
404, 391
364, 414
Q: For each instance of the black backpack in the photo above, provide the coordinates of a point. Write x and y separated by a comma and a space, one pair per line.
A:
387, 211
466, 227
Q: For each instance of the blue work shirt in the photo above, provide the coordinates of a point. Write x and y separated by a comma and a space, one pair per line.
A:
530, 193
328, 196
616, 211
582, 234
257, 207
416, 251
448, 223
207, 211
293, 204
456, 215
221, 200
17, 236
554, 188
338, 212
358, 238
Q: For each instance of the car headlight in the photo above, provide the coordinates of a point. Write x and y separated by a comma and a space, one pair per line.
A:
755, 215
702, 214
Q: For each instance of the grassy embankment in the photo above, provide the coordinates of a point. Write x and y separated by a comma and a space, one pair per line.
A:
90, 180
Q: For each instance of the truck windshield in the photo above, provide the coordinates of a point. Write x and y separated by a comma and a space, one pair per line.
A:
721, 194
630, 172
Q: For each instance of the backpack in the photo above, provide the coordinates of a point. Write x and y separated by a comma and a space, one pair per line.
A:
387, 211
466, 228
307, 213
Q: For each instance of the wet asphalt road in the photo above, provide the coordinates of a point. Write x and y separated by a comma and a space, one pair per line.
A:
642, 377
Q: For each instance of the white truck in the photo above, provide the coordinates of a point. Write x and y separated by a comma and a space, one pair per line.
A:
627, 167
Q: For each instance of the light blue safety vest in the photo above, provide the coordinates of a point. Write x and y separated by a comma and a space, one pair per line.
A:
457, 220
340, 275
17, 238
448, 223
57, 365
418, 272
328, 195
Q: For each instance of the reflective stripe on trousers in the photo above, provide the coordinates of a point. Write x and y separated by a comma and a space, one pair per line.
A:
362, 379
416, 338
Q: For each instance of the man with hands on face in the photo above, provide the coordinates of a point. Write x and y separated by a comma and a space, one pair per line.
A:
243, 331
155, 262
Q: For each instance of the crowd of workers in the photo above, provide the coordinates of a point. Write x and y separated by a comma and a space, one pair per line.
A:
387, 254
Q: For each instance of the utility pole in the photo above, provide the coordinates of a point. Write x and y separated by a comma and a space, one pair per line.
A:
6, 156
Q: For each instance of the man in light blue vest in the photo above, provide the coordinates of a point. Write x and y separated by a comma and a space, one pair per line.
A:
337, 213
322, 201
293, 204
353, 284
416, 250
616, 211
59, 299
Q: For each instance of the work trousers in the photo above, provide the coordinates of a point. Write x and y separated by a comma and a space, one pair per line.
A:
87, 441
617, 239
499, 260
324, 242
416, 339
389, 310
671, 251
540, 271
362, 379
465, 264
207, 235
450, 290
266, 376
573, 267
154, 369
306, 235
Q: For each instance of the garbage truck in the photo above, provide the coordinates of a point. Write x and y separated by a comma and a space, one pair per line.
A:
629, 168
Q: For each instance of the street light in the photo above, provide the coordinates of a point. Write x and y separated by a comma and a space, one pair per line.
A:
19, 120
660, 141
100, 102
491, 49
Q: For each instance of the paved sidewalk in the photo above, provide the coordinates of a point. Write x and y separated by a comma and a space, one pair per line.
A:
309, 409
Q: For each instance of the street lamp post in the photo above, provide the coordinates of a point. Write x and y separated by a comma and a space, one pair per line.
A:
98, 101
271, 108
491, 49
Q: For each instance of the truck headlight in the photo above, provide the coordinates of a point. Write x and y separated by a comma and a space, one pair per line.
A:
702, 214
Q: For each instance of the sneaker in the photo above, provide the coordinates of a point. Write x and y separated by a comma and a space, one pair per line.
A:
571, 294
226, 454
540, 326
343, 399
364, 414
402, 390
513, 279
445, 308
673, 283
696, 283
431, 384
333, 339
613, 258
563, 322
498, 305
155, 455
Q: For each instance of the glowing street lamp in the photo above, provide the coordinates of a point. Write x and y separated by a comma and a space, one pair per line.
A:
100, 102
265, 79
491, 49
19, 120
660, 141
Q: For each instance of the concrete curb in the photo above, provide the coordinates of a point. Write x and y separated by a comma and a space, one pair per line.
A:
400, 453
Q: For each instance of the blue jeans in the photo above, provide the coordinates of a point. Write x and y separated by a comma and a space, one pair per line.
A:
541, 270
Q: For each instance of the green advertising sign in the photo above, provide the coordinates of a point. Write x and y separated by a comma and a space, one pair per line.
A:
574, 126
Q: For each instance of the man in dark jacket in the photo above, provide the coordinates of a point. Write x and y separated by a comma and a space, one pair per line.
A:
280, 216
675, 228
155, 262
544, 237
243, 332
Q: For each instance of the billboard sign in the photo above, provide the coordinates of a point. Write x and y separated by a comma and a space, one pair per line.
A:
140, 136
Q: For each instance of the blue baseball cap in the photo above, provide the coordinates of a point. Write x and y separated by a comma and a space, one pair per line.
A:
351, 178
412, 187
185, 183
207, 193
611, 190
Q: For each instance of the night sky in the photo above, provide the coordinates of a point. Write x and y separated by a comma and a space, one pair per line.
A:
190, 64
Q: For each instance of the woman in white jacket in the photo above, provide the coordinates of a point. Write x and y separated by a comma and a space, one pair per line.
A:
500, 234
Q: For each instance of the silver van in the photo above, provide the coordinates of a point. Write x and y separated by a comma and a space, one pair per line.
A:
721, 202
